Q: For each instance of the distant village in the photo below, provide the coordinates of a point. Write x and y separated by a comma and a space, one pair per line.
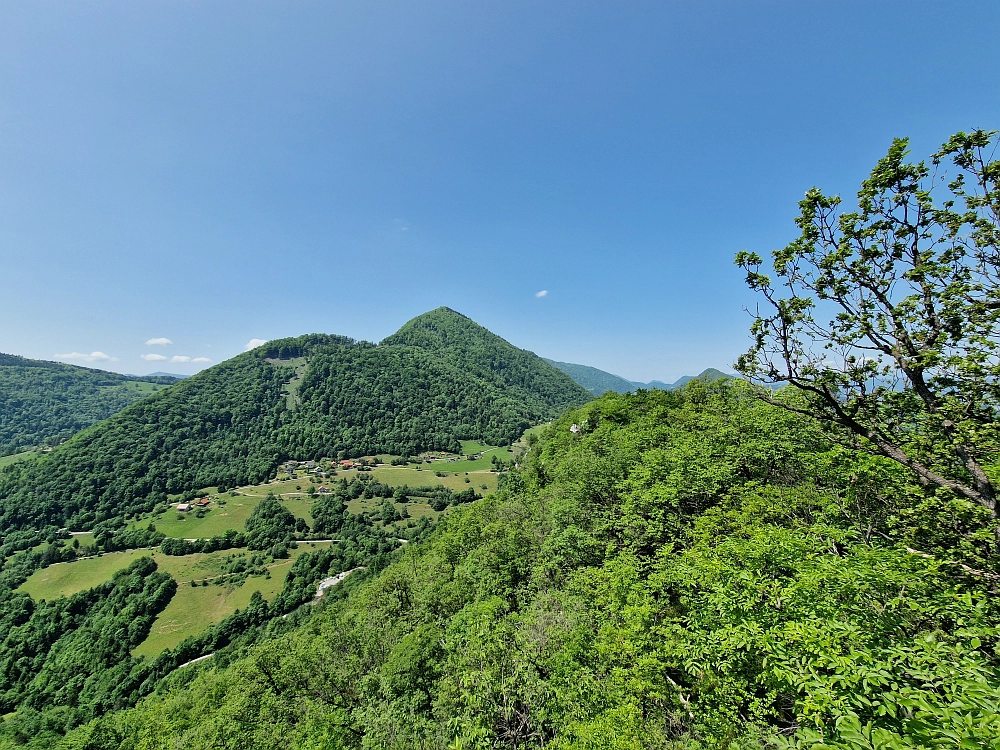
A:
327, 467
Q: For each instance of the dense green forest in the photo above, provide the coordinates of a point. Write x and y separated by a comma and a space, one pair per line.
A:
471, 348
297, 398
690, 569
42, 403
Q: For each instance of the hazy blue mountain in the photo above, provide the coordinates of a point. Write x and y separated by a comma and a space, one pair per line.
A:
707, 376
598, 381
594, 380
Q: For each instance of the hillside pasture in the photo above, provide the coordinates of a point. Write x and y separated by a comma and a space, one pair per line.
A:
64, 579
15, 457
233, 515
194, 608
396, 476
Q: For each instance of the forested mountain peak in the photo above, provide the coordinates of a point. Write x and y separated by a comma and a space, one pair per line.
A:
468, 346
441, 328
307, 397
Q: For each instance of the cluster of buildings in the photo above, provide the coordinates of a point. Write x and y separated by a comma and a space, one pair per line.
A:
201, 503
312, 467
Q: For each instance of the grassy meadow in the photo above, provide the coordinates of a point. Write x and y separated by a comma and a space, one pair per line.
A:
194, 608
231, 512
15, 457
63, 579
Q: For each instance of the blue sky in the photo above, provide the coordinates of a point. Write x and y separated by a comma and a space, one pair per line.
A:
214, 172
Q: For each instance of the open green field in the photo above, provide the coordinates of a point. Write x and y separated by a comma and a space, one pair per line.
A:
237, 509
63, 579
234, 514
374, 505
13, 459
462, 465
216, 521
397, 476
194, 608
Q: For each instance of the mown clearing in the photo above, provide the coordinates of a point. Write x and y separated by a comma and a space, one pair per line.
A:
231, 512
14, 458
194, 608
64, 579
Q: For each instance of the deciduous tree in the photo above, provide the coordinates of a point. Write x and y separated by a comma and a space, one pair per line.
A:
907, 362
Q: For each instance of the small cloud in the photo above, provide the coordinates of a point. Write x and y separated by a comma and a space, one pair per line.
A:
543, 293
201, 359
153, 357
254, 343
180, 358
159, 342
92, 357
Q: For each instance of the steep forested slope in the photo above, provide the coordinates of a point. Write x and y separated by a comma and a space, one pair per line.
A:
472, 349
44, 402
306, 397
691, 569
401, 399
219, 426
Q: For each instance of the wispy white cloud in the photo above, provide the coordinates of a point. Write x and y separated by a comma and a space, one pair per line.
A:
180, 358
159, 342
543, 293
254, 343
201, 359
92, 357
153, 357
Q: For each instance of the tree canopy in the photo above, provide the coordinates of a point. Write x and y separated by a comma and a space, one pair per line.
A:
886, 317
689, 569
42, 403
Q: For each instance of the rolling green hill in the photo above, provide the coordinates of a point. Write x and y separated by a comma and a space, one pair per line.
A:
42, 403
439, 380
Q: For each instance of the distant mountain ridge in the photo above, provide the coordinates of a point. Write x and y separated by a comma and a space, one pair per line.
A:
599, 382
42, 402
